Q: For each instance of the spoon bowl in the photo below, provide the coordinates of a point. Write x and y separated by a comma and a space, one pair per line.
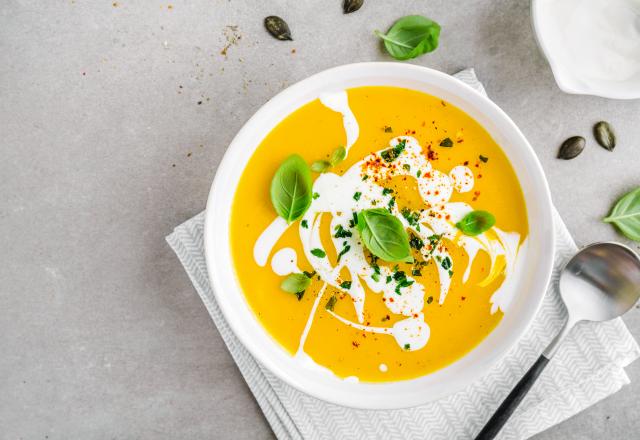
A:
601, 282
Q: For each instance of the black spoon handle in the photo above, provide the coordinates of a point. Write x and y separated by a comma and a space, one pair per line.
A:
502, 414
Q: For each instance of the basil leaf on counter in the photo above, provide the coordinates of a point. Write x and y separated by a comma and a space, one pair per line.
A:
476, 222
291, 188
296, 283
411, 36
384, 235
626, 215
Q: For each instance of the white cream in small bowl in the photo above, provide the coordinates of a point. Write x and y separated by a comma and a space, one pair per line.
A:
593, 46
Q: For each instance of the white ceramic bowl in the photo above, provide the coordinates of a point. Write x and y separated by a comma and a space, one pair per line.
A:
530, 287
592, 46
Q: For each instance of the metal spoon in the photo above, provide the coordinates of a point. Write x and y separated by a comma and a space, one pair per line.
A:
601, 282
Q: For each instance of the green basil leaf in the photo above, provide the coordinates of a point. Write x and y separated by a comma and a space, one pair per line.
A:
476, 222
411, 36
291, 188
295, 283
320, 166
626, 215
384, 235
338, 155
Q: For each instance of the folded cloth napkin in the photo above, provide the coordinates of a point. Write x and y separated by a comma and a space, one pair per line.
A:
589, 366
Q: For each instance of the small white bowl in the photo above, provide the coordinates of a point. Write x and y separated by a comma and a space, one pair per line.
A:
530, 288
592, 46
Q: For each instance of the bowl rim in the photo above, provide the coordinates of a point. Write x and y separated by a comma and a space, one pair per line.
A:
352, 395
560, 79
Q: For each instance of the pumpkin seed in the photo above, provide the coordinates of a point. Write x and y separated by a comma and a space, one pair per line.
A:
604, 135
350, 6
571, 147
277, 27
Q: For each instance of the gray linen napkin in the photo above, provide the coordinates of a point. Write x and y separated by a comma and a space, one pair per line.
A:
588, 367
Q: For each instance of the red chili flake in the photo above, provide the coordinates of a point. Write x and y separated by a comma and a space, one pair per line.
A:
463, 298
477, 165
390, 299
460, 141
466, 162
448, 217
355, 344
413, 132
479, 176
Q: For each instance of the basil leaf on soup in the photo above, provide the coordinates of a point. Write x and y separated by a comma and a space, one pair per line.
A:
295, 283
626, 215
476, 222
320, 166
291, 188
411, 36
337, 156
384, 235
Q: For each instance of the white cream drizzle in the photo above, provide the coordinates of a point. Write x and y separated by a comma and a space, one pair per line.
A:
336, 199
339, 102
285, 262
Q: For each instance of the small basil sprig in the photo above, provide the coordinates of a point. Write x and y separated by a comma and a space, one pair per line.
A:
291, 188
337, 156
296, 283
626, 215
384, 235
410, 37
476, 222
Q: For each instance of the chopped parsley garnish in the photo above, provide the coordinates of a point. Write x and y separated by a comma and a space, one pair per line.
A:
446, 263
354, 221
342, 232
450, 273
356, 195
407, 346
331, 303
309, 274
411, 216
433, 241
304, 224
416, 273
419, 173
485, 159
386, 191
415, 242
318, 253
388, 279
401, 278
365, 177
446, 142
388, 129
344, 250
376, 269
392, 153
391, 204
430, 300
406, 167
315, 195
346, 285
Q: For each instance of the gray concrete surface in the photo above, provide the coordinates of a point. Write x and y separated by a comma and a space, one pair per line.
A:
113, 118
